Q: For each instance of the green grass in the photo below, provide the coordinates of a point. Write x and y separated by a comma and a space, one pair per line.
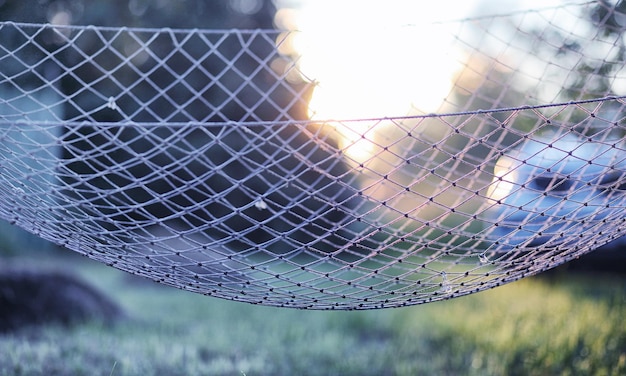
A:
564, 324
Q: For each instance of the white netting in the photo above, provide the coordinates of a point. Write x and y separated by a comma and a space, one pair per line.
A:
186, 156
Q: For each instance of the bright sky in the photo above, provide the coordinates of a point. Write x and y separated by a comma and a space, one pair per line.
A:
380, 59
373, 59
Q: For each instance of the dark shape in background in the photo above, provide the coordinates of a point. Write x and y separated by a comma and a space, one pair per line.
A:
33, 297
208, 79
231, 83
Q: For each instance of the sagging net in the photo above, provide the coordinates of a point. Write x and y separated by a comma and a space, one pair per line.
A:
189, 157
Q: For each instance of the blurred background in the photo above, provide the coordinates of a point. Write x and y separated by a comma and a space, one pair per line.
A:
342, 46
336, 60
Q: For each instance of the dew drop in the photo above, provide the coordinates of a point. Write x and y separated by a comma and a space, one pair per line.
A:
112, 104
445, 283
260, 204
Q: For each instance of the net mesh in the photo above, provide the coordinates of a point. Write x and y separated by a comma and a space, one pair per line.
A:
189, 157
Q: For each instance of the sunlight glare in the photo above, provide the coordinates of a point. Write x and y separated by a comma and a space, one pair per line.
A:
503, 181
371, 60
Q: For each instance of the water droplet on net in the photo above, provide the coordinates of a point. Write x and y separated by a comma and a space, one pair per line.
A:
260, 204
19, 192
445, 283
483, 258
112, 104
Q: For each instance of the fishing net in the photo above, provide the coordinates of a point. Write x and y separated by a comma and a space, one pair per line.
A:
193, 158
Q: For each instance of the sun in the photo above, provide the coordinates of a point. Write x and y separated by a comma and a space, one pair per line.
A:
373, 60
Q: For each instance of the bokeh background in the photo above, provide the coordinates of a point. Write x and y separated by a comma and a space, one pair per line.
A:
567, 321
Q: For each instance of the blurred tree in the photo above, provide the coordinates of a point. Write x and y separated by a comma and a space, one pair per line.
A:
159, 77
596, 74
241, 14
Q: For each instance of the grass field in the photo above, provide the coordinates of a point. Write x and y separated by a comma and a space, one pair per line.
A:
558, 324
